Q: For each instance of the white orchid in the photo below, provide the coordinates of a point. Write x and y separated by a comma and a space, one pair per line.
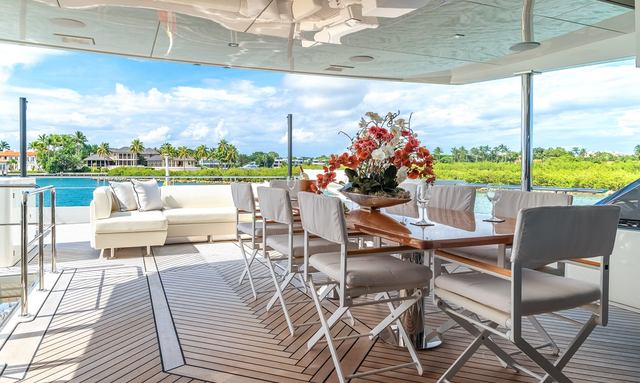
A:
378, 155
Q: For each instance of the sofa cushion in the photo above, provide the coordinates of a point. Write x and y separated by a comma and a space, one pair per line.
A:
196, 196
147, 194
200, 215
131, 221
124, 195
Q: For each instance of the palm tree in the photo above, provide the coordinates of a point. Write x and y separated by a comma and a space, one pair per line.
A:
136, 147
222, 150
232, 154
41, 143
104, 151
167, 149
636, 151
200, 152
184, 153
4, 145
80, 139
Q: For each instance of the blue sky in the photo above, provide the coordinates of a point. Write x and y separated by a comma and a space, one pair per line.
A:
115, 99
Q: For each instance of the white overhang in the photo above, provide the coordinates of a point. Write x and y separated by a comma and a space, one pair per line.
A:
431, 41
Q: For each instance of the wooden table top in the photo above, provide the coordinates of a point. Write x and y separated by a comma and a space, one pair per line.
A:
452, 228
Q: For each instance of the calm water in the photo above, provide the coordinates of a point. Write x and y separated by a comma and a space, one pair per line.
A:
79, 192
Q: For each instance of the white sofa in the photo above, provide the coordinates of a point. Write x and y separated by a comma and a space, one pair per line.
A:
189, 212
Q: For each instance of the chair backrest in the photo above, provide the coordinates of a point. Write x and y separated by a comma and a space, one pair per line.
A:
275, 205
323, 216
453, 197
242, 195
550, 234
282, 184
510, 202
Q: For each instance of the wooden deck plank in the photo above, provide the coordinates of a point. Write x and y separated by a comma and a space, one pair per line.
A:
104, 331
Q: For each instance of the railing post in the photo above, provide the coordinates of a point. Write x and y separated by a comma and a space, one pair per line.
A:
24, 282
41, 241
54, 251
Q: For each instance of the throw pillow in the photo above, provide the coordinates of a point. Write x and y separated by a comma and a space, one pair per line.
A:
125, 196
148, 194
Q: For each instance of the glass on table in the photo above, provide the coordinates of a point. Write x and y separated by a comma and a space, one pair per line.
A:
292, 182
493, 196
423, 196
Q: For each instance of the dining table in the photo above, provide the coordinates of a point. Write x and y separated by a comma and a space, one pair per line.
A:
449, 229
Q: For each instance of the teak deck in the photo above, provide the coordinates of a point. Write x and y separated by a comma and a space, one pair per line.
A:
104, 329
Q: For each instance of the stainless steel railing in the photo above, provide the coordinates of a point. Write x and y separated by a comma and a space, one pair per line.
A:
25, 243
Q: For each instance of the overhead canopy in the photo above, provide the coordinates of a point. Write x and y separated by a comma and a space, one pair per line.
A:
431, 41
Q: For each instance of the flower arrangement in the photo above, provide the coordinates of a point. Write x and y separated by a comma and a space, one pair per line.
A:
383, 153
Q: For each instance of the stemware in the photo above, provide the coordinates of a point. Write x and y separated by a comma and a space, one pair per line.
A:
291, 184
493, 196
423, 195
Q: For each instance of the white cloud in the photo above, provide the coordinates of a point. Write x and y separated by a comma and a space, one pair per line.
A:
594, 105
155, 136
195, 131
220, 131
299, 136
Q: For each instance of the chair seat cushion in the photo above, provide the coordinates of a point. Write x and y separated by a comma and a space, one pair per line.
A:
487, 254
280, 243
541, 292
199, 215
272, 228
131, 221
373, 272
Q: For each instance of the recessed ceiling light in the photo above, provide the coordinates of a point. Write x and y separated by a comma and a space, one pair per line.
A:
71, 39
67, 23
233, 45
361, 59
458, 35
524, 46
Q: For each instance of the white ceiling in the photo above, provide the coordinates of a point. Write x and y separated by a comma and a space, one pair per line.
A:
420, 46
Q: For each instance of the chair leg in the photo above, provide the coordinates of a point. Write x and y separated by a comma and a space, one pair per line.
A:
405, 337
247, 270
573, 347
278, 294
330, 322
555, 350
325, 330
539, 359
287, 280
254, 252
482, 337
302, 282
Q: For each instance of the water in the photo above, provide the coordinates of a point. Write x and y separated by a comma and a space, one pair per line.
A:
70, 191
79, 192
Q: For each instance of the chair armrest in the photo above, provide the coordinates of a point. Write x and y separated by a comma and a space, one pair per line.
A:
380, 250
585, 263
475, 265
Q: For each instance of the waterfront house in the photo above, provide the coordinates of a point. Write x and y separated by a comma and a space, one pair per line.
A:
11, 159
158, 162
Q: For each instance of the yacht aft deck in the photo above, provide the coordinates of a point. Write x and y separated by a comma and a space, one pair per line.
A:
180, 316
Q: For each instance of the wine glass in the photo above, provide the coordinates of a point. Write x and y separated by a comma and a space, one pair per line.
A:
423, 195
292, 182
493, 196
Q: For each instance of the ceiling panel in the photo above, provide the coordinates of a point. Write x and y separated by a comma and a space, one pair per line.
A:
427, 44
